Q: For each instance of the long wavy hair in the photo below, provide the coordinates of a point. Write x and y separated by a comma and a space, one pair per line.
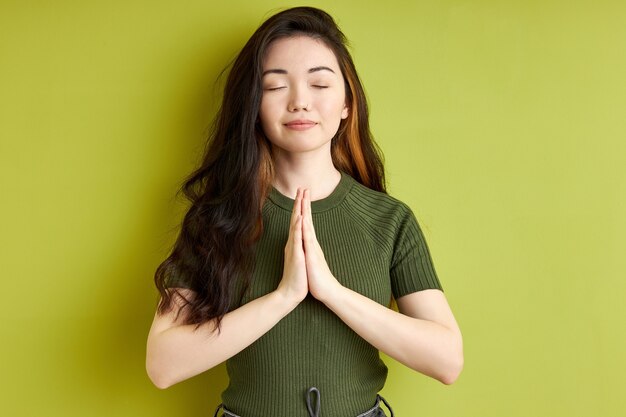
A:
215, 246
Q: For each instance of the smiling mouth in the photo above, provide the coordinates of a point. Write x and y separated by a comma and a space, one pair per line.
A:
300, 125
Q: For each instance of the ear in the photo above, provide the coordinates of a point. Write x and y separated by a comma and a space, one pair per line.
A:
344, 112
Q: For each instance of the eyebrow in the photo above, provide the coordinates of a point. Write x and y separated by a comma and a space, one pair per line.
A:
282, 71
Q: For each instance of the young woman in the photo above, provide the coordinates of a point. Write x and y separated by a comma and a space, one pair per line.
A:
292, 251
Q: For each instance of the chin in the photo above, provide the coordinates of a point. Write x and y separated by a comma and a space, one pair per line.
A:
304, 146
308, 148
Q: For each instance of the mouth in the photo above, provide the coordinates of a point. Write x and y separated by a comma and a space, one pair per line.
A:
300, 125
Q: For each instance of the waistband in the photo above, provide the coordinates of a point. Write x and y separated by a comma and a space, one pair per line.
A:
316, 412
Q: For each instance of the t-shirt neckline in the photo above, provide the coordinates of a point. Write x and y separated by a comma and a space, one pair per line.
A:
326, 203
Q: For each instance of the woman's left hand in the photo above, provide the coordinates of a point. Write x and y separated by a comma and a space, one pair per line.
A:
422, 335
322, 283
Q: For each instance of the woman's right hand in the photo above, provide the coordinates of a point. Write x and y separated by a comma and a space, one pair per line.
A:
176, 351
294, 284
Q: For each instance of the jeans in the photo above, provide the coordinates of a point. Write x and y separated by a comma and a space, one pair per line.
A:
375, 411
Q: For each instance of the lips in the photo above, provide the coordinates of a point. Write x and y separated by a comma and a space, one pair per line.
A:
300, 124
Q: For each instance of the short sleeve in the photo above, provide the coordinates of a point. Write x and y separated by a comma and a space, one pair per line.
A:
411, 267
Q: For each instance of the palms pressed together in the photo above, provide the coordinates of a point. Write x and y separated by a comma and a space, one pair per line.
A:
306, 269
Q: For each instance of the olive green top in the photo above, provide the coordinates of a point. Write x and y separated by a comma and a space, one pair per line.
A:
373, 245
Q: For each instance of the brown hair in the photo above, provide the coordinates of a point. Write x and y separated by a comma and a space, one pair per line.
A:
218, 234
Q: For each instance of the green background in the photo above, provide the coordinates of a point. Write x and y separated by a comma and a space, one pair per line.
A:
503, 127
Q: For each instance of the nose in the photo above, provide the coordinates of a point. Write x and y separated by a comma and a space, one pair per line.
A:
298, 99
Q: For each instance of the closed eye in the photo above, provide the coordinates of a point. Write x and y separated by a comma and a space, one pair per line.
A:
279, 88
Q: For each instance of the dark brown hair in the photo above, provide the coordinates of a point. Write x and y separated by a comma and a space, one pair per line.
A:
218, 234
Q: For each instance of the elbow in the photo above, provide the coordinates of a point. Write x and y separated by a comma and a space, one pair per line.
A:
447, 371
157, 380
156, 374
159, 383
455, 366
453, 372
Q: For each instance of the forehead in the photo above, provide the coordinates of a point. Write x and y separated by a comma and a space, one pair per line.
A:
298, 53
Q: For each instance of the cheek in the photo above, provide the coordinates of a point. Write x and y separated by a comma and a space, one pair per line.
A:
264, 112
267, 119
332, 108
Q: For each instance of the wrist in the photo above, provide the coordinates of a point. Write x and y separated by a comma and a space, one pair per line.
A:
333, 293
286, 300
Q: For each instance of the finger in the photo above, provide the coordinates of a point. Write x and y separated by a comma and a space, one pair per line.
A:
294, 220
294, 211
309, 219
297, 231
305, 207
295, 203
301, 201
295, 237
298, 202
304, 197
298, 208
306, 225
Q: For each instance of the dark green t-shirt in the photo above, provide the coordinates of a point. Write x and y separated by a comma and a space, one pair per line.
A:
373, 245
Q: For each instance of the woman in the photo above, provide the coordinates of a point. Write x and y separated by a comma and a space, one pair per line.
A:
291, 251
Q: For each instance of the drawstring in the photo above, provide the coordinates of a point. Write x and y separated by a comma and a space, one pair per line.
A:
318, 403
225, 412
318, 407
387, 404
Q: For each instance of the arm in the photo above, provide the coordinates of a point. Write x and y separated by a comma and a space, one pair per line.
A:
423, 336
176, 352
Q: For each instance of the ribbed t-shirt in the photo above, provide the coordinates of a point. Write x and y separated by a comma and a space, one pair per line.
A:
373, 245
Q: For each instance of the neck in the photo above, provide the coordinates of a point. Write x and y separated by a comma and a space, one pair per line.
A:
319, 175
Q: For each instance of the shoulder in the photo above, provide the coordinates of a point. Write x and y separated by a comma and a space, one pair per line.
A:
379, 215
376, 205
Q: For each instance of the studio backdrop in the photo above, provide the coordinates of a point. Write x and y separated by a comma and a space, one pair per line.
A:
502, 125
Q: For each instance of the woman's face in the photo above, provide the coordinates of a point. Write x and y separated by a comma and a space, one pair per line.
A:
302, 83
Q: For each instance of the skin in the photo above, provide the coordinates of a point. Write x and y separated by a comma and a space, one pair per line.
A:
304, 90
422, 335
